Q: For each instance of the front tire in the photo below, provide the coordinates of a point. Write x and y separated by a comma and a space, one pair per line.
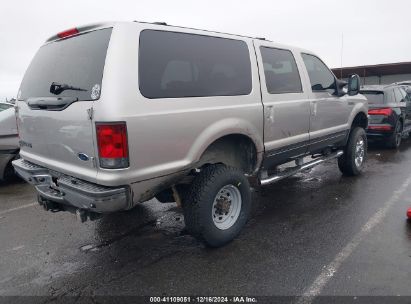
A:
352, 161
218, 205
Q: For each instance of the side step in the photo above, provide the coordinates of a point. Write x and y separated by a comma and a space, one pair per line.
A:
293, 170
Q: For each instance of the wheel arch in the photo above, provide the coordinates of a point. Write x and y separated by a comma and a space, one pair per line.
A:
233, 142
360, 120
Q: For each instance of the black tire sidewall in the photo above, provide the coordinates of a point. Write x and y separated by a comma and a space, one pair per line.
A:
349, 165
393, 138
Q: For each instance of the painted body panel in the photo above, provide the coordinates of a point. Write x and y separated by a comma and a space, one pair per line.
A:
167, 137
9, 145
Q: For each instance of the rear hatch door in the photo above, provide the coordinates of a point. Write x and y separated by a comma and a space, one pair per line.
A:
55, 103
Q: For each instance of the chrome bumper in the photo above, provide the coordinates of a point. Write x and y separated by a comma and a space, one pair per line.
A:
67, 190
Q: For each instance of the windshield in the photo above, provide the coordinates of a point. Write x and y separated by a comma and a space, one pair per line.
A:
374, 97
4, 106
76, 62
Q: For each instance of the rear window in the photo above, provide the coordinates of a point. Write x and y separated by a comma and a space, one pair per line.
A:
175, 65
76, 62
374, 97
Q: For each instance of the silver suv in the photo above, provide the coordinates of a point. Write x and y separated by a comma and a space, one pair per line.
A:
111, 115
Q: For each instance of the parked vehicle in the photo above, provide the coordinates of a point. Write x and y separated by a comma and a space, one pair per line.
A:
181, 114
389, 113
9, 146
405, 82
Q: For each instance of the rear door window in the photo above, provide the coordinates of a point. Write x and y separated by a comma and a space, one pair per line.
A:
404, 94
321, 77
175, 65
398, 96
77, 62
280, 70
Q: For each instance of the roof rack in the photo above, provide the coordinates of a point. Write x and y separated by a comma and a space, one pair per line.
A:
192, 28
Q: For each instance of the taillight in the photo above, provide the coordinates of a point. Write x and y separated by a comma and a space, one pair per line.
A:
380, 128
68, 33
382, 111
112, 145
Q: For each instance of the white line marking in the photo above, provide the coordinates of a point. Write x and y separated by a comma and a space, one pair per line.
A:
317, 286
17, 208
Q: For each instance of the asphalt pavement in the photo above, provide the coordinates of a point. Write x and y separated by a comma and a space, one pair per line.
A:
314, 234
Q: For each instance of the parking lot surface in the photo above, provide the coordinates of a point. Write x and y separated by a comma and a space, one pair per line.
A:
314, 234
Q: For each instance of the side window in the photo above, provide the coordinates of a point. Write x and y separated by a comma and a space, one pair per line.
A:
280, 70
176, 65
404, 94
398, 96
321, 77
178, 70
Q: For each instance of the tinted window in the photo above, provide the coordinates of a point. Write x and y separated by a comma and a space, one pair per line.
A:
404, 94
77, 61
321, 77
407, 94
398, 96
280, 69
185, 65
374, 97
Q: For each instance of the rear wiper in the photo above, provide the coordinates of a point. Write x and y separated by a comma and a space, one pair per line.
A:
57, 88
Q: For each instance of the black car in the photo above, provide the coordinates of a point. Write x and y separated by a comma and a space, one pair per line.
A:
389, 113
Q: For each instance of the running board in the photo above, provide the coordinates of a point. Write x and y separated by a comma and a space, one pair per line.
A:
291, 171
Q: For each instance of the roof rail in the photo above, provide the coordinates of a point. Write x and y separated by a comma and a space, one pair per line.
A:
192, 28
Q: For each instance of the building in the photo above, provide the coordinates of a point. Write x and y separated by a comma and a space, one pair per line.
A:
377, 74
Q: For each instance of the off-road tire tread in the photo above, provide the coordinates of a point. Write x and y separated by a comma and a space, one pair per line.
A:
200, 186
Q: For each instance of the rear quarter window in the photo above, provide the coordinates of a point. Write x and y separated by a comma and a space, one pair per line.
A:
177, 65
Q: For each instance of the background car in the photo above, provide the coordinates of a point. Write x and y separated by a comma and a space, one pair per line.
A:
405, 82
389, 113
9, 146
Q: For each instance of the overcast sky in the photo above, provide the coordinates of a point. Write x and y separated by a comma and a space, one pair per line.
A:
375, 31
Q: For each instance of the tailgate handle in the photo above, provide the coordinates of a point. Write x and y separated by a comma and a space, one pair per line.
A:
50, 103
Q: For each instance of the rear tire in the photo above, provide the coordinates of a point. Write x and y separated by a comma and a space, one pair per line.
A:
394, 141
217, 205
9, 174
355, 153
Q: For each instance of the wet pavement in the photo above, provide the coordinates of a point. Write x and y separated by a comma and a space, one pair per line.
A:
299, 228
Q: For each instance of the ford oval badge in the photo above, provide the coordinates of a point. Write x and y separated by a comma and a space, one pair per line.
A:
83, 157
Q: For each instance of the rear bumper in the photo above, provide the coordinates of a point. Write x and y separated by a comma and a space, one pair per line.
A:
74, 192
379, 131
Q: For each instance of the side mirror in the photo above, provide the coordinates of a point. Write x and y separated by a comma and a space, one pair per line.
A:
339, 87
353, 85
